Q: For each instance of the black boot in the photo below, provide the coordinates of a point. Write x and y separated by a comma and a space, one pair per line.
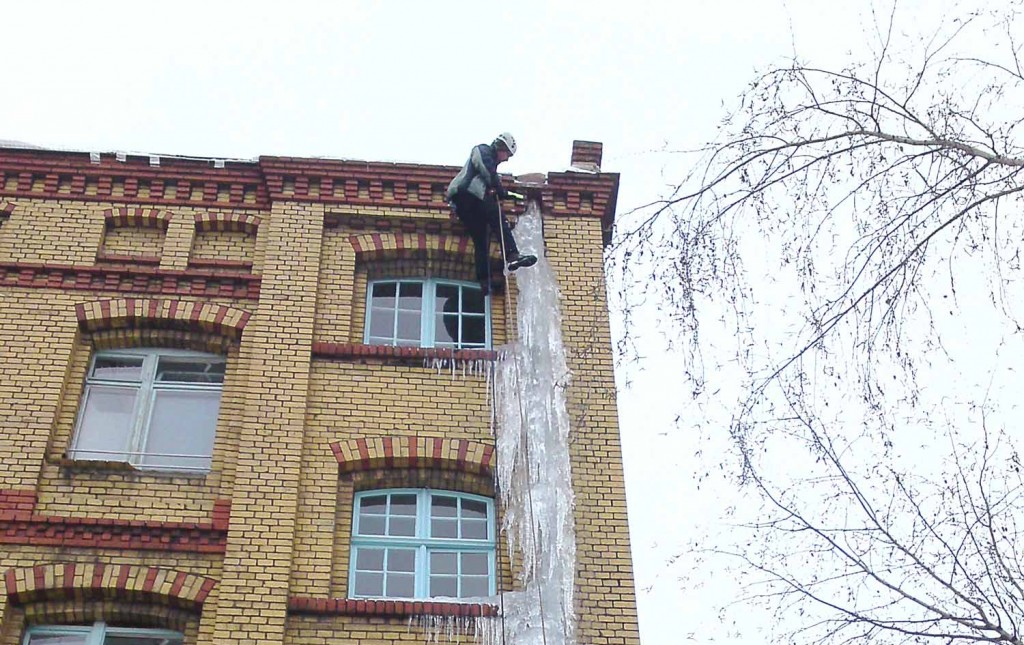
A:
519, 261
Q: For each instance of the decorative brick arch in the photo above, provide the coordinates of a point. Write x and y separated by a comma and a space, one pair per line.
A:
140, 217
383, 246
98, 581
367, 453
228, 222
123, 313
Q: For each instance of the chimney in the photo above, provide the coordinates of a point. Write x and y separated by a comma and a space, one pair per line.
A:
587, 155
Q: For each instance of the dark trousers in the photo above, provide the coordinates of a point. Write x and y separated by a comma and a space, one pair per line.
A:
480, 218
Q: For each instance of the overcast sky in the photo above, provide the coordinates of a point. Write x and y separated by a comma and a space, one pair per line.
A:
423, 82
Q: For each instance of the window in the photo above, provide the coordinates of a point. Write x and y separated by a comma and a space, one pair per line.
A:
150, 408
100, 634
422, 544
427, 313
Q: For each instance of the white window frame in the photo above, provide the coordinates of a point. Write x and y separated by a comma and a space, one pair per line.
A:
423, 544
97, 633
427, 312
146, 389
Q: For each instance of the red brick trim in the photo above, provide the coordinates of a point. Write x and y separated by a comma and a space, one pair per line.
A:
385, 245
200, 283
368, 453
137, 217
386, 608
176, 314
227, 222
20, 524
385, 352
99, 581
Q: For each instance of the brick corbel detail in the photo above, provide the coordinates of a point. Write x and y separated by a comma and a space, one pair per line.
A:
227, 222
382, 246
176, 314
140, 217
367, 453
98, 581
386, 608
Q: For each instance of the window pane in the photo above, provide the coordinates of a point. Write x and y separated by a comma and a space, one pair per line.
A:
443, 563
474, 509
444, 586
181, 428
403, 560
446, 329
369, 584
384, 294
373, 505
444, 528
409, 325
472, 300
475, 564
57, 639
118, 368
410, 296
446, 299
401, 585
403, 505
475, 587
382, 324
190, 370
474, 530
402, 526
370, 559
444, 507
371, 525
474, 330
106, 423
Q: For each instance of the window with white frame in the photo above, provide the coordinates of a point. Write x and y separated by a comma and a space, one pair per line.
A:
100, 634
427, 313
422, 544
152, 408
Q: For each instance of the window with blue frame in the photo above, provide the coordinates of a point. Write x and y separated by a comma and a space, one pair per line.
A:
427, 313
422, 544
99, 634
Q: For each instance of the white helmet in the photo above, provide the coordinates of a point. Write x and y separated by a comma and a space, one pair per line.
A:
507, 140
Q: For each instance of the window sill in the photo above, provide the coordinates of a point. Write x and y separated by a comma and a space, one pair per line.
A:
239, 266
359, 350
394, 608
114, 258
101, 466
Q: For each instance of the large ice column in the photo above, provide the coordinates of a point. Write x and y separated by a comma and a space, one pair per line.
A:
534, 480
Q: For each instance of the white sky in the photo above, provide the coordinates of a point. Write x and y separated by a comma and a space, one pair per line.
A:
423, 82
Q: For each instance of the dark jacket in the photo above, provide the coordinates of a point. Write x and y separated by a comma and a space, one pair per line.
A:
479, 175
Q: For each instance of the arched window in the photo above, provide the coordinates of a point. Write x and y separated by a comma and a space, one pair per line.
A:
152, 408
100, 634
422, 544
427, 313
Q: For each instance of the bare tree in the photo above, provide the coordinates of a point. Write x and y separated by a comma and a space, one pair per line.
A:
844, 237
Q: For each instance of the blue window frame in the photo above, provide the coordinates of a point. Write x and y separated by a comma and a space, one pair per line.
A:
422, 543
427, 313
152, 408
100, 634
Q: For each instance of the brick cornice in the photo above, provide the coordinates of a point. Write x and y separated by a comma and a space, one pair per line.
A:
386, 608
441, 453
99, 581
200, 283
404, 354
21, 525
154, 313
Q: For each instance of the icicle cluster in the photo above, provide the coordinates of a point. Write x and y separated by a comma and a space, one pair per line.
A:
533, 473
459, 366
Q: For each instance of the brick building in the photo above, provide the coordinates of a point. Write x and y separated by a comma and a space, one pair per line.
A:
218, 418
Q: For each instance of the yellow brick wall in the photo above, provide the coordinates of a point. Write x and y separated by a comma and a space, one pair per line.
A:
281, 409
236, 246
134, 241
